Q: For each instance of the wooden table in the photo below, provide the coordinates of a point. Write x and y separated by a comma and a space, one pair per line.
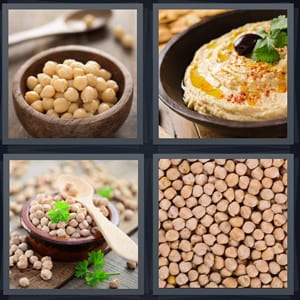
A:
102, 39
113, 263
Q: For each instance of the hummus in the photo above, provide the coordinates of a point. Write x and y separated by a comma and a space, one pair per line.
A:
221, 83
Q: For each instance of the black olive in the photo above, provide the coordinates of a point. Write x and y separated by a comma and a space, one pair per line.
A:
245, 43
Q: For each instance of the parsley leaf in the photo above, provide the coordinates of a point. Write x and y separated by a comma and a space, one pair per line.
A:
264, 51
279, 38
105, 192
92, 278
279, 23
265, 48
81, 268
96, 274
96, 258
61, 214
262, 33
61, 205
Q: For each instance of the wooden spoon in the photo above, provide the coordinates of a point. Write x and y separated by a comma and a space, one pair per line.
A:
118, 241
70, 23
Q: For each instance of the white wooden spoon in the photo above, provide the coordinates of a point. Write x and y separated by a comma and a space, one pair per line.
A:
70, 23
116, 239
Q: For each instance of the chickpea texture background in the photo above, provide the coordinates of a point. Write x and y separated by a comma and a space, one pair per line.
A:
223, 223
71, 89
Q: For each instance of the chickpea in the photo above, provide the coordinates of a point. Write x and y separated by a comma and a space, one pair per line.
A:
80, 83
71, 94
118, 31
24, 282
31, 97
104, 74
88, 94
44, 79
92, 67
113, 85
61, 105
60, 85
31, 82
48, 103
52, 113
91, 106
109, 95
64, 71
38, 106
114, 284
48, 91
46, 274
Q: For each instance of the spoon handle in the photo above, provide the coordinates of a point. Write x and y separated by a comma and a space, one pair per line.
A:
45, 30
118, 241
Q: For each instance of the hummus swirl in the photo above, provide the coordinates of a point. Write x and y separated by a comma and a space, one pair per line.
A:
221, 83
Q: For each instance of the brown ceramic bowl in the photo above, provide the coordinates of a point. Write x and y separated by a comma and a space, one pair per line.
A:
178, 54
103, 125
64, 249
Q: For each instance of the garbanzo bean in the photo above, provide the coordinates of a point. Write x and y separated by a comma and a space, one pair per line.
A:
75, 82
230, 218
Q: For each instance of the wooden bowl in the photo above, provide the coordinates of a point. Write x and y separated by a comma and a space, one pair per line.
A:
178, 54
64, 249
103, 125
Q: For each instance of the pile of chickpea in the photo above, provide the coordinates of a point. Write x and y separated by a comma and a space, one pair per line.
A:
80, 224
223, 223
72, 89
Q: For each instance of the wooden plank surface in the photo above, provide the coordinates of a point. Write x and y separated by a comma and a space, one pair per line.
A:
63, 272
101, 39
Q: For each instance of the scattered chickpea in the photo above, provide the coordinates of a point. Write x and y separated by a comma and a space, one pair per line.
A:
114, 283
46, 274
89, 20
24, 282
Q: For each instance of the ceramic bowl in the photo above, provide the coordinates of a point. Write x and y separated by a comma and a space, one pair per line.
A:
179, 52
64, 249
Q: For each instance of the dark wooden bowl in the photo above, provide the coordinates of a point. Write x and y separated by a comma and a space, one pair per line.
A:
103, 125
178, 54
64, 249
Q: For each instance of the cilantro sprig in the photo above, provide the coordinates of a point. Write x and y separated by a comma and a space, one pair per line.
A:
265, 48
105, 191
61, 213
96, 274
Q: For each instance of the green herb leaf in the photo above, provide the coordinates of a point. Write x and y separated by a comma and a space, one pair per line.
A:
61, 205
264, 51
105, 192
265, 48
61, 214
262, 33
96, 258
279, 23
279, 38
81, 268
93, 278
90, 279
96, 275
